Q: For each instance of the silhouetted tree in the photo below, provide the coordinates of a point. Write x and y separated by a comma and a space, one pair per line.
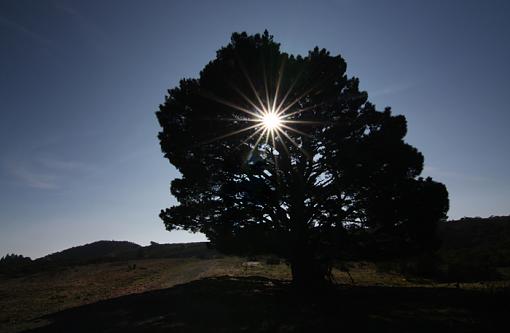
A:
337, 174
14, 259
14, 263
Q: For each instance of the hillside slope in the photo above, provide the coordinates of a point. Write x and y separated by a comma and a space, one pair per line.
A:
93, 252
477, 240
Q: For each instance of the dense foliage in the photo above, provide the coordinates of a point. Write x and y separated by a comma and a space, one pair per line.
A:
340, 176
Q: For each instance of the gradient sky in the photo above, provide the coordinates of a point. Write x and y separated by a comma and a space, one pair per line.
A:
80, 82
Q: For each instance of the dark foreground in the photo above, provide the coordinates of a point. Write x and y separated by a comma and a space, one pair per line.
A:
256, 304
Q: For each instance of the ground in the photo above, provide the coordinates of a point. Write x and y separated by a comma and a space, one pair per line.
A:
228, 295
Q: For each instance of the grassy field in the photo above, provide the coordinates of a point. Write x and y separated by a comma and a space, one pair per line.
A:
32, 301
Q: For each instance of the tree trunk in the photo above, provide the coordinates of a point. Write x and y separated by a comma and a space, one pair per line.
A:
308, 272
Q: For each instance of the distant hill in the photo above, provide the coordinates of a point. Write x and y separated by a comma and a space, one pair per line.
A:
105, 251
179, 250
477, 240
93, 252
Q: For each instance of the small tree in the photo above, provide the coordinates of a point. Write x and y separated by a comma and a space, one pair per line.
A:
14, 263
284, 154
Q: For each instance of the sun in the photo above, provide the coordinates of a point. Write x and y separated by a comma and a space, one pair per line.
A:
271, 120
271, 115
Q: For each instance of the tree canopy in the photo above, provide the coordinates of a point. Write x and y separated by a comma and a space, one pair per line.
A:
284, 154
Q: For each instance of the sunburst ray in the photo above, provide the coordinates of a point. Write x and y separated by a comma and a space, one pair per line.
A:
272, 117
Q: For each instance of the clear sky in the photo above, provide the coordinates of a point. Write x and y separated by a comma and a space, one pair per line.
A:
80, 82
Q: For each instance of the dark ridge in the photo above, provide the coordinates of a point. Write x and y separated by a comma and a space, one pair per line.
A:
93, 252
179, 250
104, 251
477, 239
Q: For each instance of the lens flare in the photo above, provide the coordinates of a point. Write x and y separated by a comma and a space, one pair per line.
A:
271, 120
272, 115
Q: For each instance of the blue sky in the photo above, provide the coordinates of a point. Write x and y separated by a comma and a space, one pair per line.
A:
80, 82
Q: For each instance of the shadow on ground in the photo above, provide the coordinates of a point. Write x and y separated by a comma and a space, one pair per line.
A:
255, 304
